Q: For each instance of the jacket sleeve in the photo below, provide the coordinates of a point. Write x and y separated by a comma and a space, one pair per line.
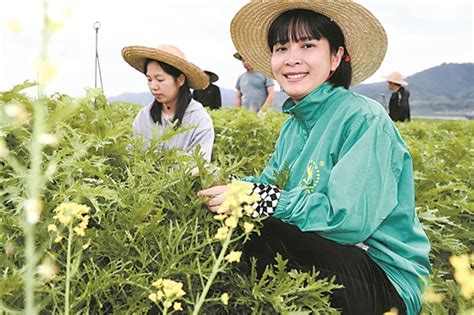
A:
361, 190
204, 136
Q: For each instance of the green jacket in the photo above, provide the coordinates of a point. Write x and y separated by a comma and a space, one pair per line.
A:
351, 180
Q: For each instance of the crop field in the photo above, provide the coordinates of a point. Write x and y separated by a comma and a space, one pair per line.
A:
91, 223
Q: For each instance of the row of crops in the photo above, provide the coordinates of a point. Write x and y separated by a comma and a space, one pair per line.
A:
116, 229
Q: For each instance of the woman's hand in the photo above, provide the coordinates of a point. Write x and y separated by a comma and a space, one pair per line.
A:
217, 194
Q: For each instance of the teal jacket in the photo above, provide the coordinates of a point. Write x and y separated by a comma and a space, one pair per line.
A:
351, 180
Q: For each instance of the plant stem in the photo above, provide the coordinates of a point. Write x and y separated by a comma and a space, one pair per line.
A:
215, 270
68, 270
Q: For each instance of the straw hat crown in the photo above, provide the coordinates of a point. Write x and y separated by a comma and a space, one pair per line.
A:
395, 77
364, 36
135, 56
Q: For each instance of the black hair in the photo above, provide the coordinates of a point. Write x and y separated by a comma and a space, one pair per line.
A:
183, 99
300, 24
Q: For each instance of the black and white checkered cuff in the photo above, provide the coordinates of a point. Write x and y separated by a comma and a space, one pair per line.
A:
269, 194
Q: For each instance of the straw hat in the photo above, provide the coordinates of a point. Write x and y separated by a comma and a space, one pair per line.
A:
395, 77
212, 76
136, 55
364, 36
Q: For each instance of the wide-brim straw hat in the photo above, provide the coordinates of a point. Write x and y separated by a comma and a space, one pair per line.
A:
396, 77
136, 56
212, 76
365, 37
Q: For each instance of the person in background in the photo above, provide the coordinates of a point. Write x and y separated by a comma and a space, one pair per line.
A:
347, 205
210, 96
170, 77
254, 90
398, 106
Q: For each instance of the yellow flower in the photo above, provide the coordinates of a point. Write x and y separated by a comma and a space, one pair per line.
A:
79, 231
393, 311
152, 297
248, 210
231, 222
177, 306
52, 228
58, 239
221, 233
233, 256
172, 289
248, 227
463, 274
86, 246
158, 283
167, 303
14, 26
46, 69
225, 298
220, 217
67, 211
431, 297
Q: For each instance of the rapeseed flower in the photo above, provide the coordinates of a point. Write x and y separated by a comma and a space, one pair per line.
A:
233, 256
225, 298
463, 273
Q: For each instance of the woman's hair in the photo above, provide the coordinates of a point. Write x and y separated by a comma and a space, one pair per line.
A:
299, 24
183, 99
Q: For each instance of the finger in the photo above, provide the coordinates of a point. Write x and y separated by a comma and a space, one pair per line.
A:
213, 191
215, 202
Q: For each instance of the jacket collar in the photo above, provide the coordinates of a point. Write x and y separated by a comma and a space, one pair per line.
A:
311, 107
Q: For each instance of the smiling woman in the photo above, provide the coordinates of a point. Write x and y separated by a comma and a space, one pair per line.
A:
169, 77
347, 207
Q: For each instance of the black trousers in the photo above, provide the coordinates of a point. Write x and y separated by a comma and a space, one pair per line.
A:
367, 290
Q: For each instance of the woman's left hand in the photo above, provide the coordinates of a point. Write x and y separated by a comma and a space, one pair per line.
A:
217, 192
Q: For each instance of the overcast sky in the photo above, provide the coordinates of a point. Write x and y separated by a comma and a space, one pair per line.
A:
421, 34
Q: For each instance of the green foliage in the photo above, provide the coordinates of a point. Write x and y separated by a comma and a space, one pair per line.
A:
147, 221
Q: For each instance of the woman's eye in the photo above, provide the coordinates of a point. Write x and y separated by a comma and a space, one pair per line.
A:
279, 49
308, 45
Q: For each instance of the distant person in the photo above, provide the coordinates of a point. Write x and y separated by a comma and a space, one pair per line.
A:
254, 90
398, 107
169, 77
210, 96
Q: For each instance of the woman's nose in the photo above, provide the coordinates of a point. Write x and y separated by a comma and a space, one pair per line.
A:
294, 57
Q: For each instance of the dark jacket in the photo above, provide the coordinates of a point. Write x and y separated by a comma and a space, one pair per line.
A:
210, 96
399, 108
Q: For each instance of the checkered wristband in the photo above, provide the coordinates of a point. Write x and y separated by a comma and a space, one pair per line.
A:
269, 194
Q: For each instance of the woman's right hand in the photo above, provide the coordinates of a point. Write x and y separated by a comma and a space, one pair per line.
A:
217, 196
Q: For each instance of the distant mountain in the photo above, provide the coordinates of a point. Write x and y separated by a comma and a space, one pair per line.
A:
445, 90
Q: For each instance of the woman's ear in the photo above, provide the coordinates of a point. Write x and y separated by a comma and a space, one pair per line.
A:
336, 58
181, 79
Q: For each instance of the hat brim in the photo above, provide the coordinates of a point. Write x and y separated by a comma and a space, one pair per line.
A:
365, 37
212, 76
394, 80
135, 56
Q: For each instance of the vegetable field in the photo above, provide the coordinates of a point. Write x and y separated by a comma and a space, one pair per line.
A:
91, 223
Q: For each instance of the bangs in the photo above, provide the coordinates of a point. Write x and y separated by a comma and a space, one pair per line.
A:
297, 25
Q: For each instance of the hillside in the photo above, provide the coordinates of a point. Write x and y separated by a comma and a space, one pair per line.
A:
445, 90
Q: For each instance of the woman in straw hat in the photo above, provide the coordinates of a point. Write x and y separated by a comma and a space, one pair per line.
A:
347, 207
210, 96
398, 107
170, 76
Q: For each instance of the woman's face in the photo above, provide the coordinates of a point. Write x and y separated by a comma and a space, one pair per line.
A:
301, 67
162, 85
